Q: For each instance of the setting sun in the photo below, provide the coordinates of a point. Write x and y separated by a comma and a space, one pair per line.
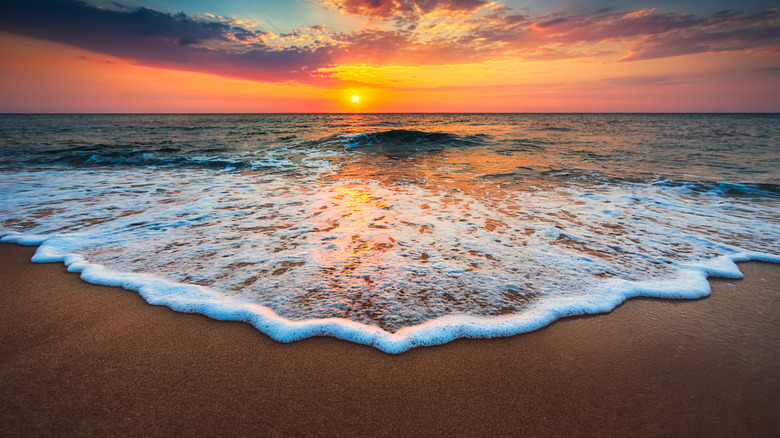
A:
355, 98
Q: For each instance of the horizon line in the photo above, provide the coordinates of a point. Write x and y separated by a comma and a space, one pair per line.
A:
387, 113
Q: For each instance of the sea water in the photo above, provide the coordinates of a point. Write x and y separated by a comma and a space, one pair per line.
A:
394, 230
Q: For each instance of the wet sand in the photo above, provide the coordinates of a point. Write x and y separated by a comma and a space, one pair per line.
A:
80, 359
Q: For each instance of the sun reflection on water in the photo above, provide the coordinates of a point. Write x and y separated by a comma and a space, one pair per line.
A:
357, 249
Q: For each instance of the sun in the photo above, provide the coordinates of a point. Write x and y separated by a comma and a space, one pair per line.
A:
355, 98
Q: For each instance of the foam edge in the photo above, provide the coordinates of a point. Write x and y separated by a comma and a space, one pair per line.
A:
691, 283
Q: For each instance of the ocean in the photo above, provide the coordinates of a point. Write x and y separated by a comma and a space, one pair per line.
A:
394, 230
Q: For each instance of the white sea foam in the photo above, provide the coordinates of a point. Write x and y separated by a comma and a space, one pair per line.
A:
690, 282
393, 266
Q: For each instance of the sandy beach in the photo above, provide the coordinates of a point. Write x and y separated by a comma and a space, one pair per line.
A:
80, 359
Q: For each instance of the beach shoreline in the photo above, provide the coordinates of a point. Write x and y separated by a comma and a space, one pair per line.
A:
95, 360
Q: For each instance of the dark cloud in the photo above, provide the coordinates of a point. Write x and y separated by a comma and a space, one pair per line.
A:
553, 22
606, 10
588, 29
725, 14
76, 19
515, 19
163, 40
722, 32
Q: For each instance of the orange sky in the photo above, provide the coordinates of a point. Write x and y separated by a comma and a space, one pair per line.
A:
453, 60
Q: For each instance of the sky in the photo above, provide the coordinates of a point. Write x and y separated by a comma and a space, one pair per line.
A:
389, 56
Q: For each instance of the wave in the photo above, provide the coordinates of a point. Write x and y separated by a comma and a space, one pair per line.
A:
132, 158
165, 156
723, 188
404, 141
170, 154
554, 129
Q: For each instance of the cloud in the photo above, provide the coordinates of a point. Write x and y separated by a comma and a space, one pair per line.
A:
550, 23
640, 35
407, 8
639, 81
158, 39
407, 33
64, 18
721, 33
494, 32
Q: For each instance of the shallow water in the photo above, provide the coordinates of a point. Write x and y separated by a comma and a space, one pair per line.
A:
394, 230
